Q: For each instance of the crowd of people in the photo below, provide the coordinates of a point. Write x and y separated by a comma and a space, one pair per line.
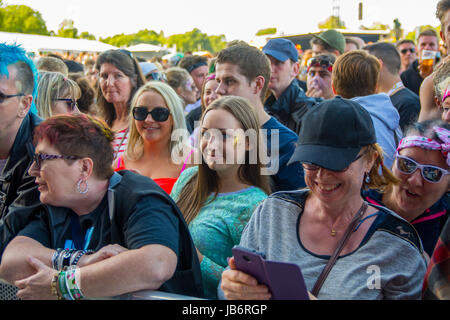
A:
119, 174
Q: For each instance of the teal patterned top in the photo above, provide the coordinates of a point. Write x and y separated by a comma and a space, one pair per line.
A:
218, 227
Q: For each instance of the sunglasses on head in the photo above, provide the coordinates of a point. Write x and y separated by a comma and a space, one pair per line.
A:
322, 63
71, 103
38, 158
3, 96
404, 51
158, 114
430, 173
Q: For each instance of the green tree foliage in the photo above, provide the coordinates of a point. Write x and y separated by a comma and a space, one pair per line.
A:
67, 29
332, 22
413, 34
190, 41
22, 19
87, 35
266, 31
195, 40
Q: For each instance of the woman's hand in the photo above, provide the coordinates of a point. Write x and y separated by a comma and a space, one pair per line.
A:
103, 254
238, 285
37, 286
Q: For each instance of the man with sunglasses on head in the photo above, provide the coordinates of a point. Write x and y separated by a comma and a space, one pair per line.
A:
319, 76
18, 87
287, 101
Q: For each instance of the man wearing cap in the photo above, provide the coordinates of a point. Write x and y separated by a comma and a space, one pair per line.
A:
287, 102
330, 41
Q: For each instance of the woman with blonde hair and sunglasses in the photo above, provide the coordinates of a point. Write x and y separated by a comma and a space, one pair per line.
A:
218, 196
422, 167
157, 113
57, 94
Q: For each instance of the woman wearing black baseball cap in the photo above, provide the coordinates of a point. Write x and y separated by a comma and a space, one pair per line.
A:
345, 247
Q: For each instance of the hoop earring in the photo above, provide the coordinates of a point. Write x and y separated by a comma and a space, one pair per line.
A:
367, 179
79, 187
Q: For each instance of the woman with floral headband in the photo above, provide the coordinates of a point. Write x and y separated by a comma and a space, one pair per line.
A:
422, 166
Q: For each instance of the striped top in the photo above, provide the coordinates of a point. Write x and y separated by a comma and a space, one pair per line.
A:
120, 142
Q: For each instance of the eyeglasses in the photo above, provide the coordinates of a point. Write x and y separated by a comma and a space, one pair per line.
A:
158, 114
322, 63
3, 96
314, 167
404, 51
71, 103
38, 158
430, 173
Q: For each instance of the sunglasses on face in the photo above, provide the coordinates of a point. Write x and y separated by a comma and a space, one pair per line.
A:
404, 51
430, 173
71, 103
322, 63
3, 96
39, 158
314, 167
158, 114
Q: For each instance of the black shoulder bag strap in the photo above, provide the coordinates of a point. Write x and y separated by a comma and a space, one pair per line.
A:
326, 270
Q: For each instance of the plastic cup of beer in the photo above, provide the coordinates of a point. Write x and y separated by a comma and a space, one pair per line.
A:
427, 61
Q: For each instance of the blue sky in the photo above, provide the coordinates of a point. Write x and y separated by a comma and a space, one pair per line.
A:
237, 19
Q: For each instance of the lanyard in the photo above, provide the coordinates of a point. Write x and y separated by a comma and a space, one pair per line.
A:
80, 241
396, 86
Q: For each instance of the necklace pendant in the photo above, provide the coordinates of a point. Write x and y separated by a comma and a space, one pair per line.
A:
333, 233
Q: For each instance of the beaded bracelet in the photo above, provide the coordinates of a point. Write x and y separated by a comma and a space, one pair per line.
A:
54, 286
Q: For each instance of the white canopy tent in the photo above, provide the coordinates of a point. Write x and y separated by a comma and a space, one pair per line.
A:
36, 43
145, 47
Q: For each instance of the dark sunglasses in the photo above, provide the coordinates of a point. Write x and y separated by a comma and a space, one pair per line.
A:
71, 103
324, 64
3, 96
404, 51
158, 114
314, 167
38, 158
430, 173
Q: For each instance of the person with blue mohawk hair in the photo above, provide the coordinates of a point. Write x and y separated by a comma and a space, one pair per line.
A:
18, 190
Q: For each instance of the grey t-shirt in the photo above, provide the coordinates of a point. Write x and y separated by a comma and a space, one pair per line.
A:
385, 265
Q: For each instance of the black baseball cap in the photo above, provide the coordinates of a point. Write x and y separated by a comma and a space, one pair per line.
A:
333, 133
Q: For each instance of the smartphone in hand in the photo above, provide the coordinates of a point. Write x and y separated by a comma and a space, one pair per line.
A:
284, 280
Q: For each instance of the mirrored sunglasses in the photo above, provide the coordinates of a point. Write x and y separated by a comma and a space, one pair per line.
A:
322, 63
158, 114
430, 173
